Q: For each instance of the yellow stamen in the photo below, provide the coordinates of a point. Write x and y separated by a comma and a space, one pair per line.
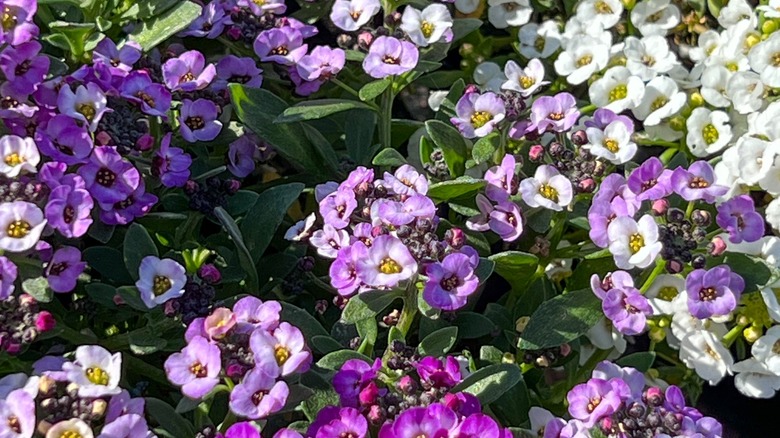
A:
480, 118
549, 192
13, 159
636, 242
18, 229
97, 376
281, 353
426, 27
161, 284
619, 92
710, 133
389, 266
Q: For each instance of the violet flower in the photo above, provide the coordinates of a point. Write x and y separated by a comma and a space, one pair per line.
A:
280, 45
322, 63
439, 373
478, 114
199, 120
119, 61
303, 87
122, 404
245, 429
196, 368
450, 282
15, 105
286, 345
18, 27
108, 177
160, 280
339, 422
434, 420
739, 218
406, 181
352, 378
389, 56
650, 181
388, 263
258, 395
591, 401
64, 269
343, 270
628, 310
137, 204
17, 415
23, 67
154, 99
241, 154
188, 72
554, 113
261, 7
211, 22
251, 313
501, 180
126, 426
21, 225
234, 70
698, 182
8, 274
337, 208
171, 164
713, 292
603, 117
329, 241
64, 140
87, 104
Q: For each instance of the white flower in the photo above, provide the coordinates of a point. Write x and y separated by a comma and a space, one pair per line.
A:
350, 15
96, 371
708, 42
302, 229
708, 131
771, 180
684, 323
581, 59
18, 154
436, 97
649, 56
574, 30
663, 131
765, 59
655, 17
613, 143
539, 40
734, 12
763, 124
160, 280
74, 427
702, 351
524, 80
662, 292
686, 79
754, 158
21, 225
662, 99
767, 350
746, 92
605, 12
466, 7
754, 379
604, 337
548, 189
428, 26
617, 90
505, 13
771, 10
713, 86
769, 295
634, 243
489, 77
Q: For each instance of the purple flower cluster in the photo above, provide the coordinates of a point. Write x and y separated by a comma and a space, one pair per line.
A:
247, 345
622, 303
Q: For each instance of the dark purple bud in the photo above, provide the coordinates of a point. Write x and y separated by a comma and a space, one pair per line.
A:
556, 149
191, 187
455, 238
674, 266
701, 218
232, 186
579, 138
653, 396
209, 273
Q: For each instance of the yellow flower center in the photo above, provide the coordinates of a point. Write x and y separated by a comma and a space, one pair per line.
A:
13, 159
259, 2
97, 376
389, 266
13, 424
594, 403
281, 353
635, 243
549, 192
539, 43
480, 118
18, 229
527, 81
188, 77
161, 284
648, 60
87, 110
70, 434
199, 370
584, 60
668, 293
732, 66
698, 182
602, 7
710, 133
776, 59
9, 19
426, 27
659, 102
611, 145
619, 92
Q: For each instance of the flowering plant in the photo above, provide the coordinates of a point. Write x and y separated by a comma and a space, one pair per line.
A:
393, 219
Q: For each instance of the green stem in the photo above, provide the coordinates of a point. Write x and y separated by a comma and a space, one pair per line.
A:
345, 87
229, 420
659, 268
73, 336
733, 334
668, 154
689, 209
648, 142
386, 118
587, 109
409, 311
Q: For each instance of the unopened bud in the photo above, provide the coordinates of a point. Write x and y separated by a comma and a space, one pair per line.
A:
536, 153
579, 138
588, 185
674, 266
660, 206
701, 218
471, 88
556, 149
45, 321
752, 333
768, 27
99, 407
365, 39
209, 273
696, 99
677, 123
455, 238
717, 246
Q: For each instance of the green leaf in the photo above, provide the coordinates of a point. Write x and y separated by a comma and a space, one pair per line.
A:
753, 270
453, 145
473, 325
334, 360
317, 109
515, 266
642, 360
368, 331
142, 9
143, 342
458, 188
461, 27
168, 419
512, 407
489, 383
359, 135
302, 319
368, 304
137, 245
447, 108
484, 269
102, 294
244, 257
489, 353
318, 401
159, 28
373, 89
715, 6
389, 157
325, 344
132, 297
486, 147
38, 288
187, 404
109, 262
439, 342
325, 150
395, 335
266, 215
561, 319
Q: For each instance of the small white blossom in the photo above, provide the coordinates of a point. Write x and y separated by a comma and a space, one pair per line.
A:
617, 90
746, 92
427, 26
539, 40
662, 292
489, 77
702, 351
524, 80
649, 56
634, 244
734, 12
613, 143
655, 17
713, 86
661, 100
505, 13
605, 12
708, 131
765, 60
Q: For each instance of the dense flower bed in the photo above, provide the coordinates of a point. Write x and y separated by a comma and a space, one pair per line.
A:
380, 218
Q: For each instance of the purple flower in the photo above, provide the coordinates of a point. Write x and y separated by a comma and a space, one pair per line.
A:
126, 426
18, 27
713, 292
280, 45
554, 113
196, 368
306, 30
739, 218
329, 241
160, 280
64, 269
87, 104
589, 402
435, 420
8, 273
388, 263
463, 403
450, 282
286, 345
322, 63
15, 105
241, 154
303, 87
171, 165
650, 181
64, 140
477, 426
439, 373
258, 395
633, 378
478, 114
602, 117
360, 178
119, 61
600, 215
406, 181
21, 225
698, 182
352, 377
24, 69
501, 180
122, 404
627, 309
188, 72
261, 7
335, 422
199, 121
251, 313
243, 429
343, 270
138, 204
154, 99
337, 207
389, 56
617, 279
210, 23
17, 415
389, 212
108, 177
234, 70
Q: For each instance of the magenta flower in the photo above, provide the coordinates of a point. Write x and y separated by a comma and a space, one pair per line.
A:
234, 70
196, 368
8, 273
188, 72
286, 345
64, 140
650, 181
23, 68
87, 104
439, 373
698, 182
154, 99
108, 177
244, 429
739, 218
450, 282
590, 402
628, 310
477, 426
359, 179
478, 114
388, 263
389, 56
64, 269
322, 63
554, 113
501, 180
352, 378
258, 395
251, 313
199, 120
463, 403
337, 207
713, 292
435, 420
280, 45
343, 270
335, 422
171, 165
119, 61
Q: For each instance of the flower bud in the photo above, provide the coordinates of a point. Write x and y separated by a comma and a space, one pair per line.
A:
346, 41
660, 206
536, 153
375, 415
556, 149
98, 407
674, 266
656, 334
677, 123
768, 27
699, 262
191, 187
235, 370
45, 321
234, 33
455, 238
144, 143
752, 333
369, 394
232, 186
653, 396
588, 185
702, 218
565, 350
696, 99
209, 273
407, 385
717, 246
393, 19
579, 137
365, 39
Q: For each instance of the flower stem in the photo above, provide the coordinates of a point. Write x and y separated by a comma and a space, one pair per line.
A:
659, 268
733, 334
409, 310
386, 118
345, 87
